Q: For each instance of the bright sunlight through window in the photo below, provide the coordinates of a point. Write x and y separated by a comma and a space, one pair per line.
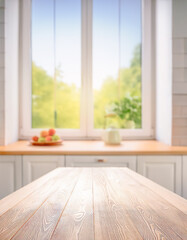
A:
87, 69
56, 63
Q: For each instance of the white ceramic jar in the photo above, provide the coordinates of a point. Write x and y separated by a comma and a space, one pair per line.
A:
111, 136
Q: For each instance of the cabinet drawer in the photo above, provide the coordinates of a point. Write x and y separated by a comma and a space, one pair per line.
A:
101, 161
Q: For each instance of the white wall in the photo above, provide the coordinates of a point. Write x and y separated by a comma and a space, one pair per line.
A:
9, 30
2, 69
11, 70
163, 35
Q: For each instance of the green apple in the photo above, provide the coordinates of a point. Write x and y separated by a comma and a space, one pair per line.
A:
41, 139
55, 138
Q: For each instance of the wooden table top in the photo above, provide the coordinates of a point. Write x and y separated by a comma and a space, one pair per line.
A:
141, 147
93, 203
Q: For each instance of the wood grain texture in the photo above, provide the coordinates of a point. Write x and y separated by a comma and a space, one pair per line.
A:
111, 217
93, 204
13, 219
50, 211
14, 198
152, 212
147, 147
173, 199
77, 219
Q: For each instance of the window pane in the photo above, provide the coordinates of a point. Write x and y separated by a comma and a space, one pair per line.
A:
117, 63
56, 56
68, 62
42, 64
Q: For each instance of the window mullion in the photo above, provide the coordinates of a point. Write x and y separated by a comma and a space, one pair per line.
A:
84, 63
86, 100
90, 114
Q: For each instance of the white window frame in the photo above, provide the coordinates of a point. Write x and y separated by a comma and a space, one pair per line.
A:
87, 130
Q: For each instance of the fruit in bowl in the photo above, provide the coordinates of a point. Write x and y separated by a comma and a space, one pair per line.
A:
46, 138
41, 139
55, 137
35, 138
51, 132
44, 133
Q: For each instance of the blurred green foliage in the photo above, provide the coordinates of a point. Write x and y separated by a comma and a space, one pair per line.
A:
43, 104
121, 96
126, 112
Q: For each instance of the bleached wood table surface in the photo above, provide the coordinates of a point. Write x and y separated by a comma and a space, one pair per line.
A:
101, 204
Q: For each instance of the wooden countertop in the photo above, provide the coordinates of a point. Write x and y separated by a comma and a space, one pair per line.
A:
93, 204
94, 148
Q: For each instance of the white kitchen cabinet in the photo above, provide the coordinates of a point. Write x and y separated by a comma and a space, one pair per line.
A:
184, 177
36, 166
101, 161
164, 170
168, 171
10, 174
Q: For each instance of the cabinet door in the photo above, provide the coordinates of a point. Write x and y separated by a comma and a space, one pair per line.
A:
184, 179
10, 174
101, 161
164, 170
36, 166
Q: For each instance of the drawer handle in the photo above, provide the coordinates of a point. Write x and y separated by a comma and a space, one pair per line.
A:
101, 160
